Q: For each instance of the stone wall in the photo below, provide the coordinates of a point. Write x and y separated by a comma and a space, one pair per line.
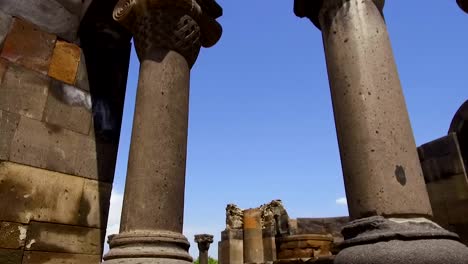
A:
447, 183
56, 168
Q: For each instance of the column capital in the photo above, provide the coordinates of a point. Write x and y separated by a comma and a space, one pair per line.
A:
203, 241
312, 8
463, 4
183, 26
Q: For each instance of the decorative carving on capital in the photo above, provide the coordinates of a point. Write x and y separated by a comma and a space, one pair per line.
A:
180, 25
203, 241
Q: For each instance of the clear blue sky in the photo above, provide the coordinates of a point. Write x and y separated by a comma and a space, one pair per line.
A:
261, 122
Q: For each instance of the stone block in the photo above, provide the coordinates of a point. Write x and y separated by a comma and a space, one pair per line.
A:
457, 212
5, 22
82, 80
232, 251
95, 202
28, 46
74, 6
3, 68
51, 147
64, 62
12, 235
24, 92
11, 256
66, 112
28, 193
63, 238
35, 257
8, 125
49, 15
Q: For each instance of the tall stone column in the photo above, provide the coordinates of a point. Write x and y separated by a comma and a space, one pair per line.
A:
253, 236
168, 36
463, 5
203, 241
385, 188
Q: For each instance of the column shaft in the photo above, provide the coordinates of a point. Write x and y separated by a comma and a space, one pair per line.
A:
380, 164
156, 167
253, 237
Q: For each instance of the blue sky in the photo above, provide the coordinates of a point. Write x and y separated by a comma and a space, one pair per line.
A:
261, 122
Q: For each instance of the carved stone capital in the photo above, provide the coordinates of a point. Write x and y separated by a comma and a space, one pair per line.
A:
313, 9
203, 241
180, 25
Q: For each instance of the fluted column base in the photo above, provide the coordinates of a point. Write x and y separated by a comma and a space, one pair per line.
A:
376, 240
148, 247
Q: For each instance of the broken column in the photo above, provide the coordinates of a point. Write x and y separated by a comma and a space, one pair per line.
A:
168, 36
253, 236
231, 245
383, 179
203, 241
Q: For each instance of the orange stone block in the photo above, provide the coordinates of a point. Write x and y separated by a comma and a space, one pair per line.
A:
65, 62
28, 46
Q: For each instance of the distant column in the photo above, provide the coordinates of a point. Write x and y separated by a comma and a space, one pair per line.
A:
168, 37
253, 237
232, 246
203, 241
380, 163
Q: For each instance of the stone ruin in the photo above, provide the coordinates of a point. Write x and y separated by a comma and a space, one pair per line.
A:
277, 237
63, 73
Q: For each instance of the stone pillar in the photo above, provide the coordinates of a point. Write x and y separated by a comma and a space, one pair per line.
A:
381, 169
232, 247
168, 36
463, 5
253, 237
269, 244
203, 241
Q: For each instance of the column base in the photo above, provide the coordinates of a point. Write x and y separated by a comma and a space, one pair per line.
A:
148, 247
377, 240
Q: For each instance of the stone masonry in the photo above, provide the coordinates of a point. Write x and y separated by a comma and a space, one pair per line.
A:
56, 168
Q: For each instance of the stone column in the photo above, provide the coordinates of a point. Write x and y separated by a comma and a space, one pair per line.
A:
253, 236
232, 246
269, 244
203, 241
381, 169
168, 36
463, 5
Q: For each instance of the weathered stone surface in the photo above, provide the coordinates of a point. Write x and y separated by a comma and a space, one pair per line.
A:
12, 235
24, 92
253, 236
34, 257
8, 125
63, 108
380, 163
82, 80
64, 62
323, 226
304, 246
234, 217
3, 68
51, 147
28, 193
48, 15
232, 251
63, 238
5, 21
94, 205
28, 46
10, 256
